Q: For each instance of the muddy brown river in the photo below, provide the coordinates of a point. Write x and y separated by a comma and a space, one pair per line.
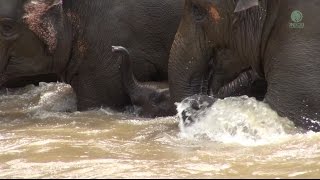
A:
42, 136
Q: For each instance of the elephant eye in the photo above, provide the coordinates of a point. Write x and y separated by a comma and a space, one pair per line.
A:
8, 29
198, 12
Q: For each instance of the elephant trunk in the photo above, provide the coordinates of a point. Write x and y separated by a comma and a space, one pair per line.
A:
188, 64
153, 99
129, 82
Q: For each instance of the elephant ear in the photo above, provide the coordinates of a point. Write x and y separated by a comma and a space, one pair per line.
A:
44, 18
243, 5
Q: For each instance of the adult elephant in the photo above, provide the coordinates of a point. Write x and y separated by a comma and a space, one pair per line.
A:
73, 39
278, 40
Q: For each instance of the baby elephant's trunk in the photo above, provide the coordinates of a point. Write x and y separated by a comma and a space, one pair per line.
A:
128, 80
153, 101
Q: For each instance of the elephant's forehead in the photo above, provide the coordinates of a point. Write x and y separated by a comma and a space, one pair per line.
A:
214, 13
10, 8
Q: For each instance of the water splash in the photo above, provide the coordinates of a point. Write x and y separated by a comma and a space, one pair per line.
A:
53, 97
240, 120
40, 139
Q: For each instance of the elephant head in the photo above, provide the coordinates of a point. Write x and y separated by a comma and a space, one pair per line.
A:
30, 34
218, 41
202, 58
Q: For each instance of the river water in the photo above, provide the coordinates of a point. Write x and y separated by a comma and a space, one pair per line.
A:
42, 136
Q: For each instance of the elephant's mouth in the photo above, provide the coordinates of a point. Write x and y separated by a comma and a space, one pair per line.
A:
240, 85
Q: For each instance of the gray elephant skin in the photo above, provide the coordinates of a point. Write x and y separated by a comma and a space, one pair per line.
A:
276, 41
72, 39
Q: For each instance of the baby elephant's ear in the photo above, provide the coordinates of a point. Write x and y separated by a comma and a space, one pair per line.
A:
246, 4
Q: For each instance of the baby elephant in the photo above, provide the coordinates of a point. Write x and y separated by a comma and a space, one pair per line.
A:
152, 98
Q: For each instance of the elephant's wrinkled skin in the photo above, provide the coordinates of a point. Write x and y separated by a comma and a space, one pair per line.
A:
272, 39
152, 98
73, 39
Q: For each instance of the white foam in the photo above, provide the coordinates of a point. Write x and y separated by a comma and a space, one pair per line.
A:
240, 120
53, 97
47, 97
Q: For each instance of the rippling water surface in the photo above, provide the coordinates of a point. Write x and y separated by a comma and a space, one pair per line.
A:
42, 136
